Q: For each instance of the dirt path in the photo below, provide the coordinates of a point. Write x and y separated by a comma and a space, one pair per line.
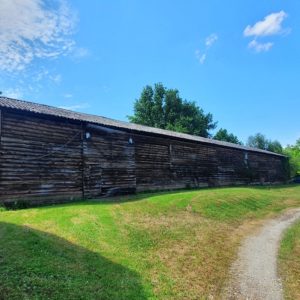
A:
254, 274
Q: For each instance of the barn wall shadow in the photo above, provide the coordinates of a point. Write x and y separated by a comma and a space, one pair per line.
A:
39, 265
149, 194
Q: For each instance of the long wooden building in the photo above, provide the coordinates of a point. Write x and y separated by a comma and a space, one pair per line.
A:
49, 154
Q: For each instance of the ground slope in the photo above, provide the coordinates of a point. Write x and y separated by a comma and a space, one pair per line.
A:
177, 245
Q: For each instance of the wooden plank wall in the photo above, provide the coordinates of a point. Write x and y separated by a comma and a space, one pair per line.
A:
108, 162
39, 158
164, 164
47, 159
152, 163
266, 168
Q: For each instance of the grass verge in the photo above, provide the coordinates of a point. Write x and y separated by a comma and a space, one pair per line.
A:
289, 262
176, 245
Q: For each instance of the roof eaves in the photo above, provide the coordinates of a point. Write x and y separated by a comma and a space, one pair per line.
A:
68, 114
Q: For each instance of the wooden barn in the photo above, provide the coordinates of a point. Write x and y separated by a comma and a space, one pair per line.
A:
49, 154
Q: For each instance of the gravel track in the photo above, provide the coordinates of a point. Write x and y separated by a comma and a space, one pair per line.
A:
254, 274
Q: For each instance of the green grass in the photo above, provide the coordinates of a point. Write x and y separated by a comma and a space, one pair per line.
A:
171, 245
289, 262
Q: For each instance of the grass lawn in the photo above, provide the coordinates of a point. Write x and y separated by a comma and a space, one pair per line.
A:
175, 245
289, 262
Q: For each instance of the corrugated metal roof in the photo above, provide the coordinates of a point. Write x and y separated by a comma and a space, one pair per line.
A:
68, 114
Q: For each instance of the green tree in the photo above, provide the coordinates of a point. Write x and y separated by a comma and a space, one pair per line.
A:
224, 135
275, 146
258, 141
164, 108
293, 152
261, 142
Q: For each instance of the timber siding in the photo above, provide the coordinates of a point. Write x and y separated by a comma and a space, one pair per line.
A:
50, 155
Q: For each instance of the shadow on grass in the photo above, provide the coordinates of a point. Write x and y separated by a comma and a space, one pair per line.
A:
149, 194
275, 186
38, 265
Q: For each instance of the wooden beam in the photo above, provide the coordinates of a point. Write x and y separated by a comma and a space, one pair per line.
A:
0, 125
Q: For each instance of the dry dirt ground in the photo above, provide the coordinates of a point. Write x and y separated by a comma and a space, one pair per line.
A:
254, 273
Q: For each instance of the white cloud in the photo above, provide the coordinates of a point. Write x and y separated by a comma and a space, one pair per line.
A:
81, 52
76, 106
200, 56
40, 75
31, 29
68, 95
260, 47
57, 78
210, 40
12, 93
270, 25
43, 74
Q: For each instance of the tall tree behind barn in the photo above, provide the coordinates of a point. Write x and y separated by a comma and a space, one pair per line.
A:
51, 155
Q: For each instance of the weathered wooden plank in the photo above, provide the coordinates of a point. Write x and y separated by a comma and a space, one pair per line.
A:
39, 158
43, 157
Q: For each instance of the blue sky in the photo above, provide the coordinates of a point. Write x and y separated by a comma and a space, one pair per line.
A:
239, 60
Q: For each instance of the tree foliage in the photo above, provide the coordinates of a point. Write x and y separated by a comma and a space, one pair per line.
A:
293, 152
164, 108
224, 135
261, 142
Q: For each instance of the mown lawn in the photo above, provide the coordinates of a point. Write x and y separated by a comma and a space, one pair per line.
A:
175, 245
289, 262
